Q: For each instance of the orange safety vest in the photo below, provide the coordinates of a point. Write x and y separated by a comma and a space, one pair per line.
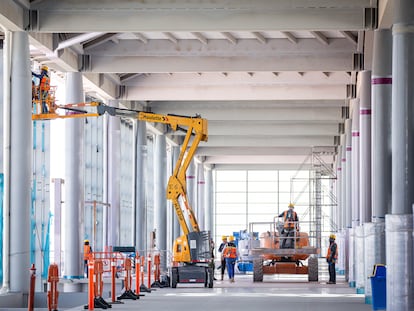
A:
289, 223
230, 252
87, 252
328, 255
45, 83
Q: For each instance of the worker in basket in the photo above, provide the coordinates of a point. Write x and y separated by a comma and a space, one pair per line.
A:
43, 87
290, 225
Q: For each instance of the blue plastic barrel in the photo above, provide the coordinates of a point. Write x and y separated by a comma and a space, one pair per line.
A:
379, 287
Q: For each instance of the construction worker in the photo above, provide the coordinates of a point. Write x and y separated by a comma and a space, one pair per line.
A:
223, 260
212, 263
331, 258
44, 87
230, 254
290, 221
87, 255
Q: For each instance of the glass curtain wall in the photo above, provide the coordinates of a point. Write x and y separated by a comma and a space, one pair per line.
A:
251, 200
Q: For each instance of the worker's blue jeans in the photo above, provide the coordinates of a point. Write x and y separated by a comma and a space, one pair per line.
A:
230, 262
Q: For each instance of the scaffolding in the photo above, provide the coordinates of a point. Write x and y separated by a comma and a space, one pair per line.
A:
322, 199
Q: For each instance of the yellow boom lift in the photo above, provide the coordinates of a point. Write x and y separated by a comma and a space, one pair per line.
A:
191, 251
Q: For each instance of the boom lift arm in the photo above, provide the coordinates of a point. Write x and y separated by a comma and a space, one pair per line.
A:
194, 126
177, 185
191, 262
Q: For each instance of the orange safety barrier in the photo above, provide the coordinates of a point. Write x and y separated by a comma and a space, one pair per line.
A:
52, 293
142, 270
91, 285
30, 303
143, 288
113, 276
157, 263
128, 294
149, 267
137, 273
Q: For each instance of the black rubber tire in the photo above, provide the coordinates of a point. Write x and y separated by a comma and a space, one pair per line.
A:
258, 270
313, 269
174, 277
210, 278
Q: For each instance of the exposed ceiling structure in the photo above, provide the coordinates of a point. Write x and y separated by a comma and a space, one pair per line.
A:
273, 77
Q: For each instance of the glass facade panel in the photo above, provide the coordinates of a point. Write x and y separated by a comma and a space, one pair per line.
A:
230, 208
231, 186
231, 197
259, 208
231, 175
254, 201
260, 186
263, 197
262, 176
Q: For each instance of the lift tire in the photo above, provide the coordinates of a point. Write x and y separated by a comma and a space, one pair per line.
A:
210, 274
313, 269
258, 270
174, 277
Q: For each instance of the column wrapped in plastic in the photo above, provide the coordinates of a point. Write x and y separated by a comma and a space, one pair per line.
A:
340, 239
351, 257
399, 254
359, 259
374, 251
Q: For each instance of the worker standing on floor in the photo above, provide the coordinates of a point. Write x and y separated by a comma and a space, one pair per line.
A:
230, 254
223, 260
290, 225
331, 258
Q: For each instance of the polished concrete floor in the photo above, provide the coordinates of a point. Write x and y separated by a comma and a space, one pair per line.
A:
276, 292
293, 293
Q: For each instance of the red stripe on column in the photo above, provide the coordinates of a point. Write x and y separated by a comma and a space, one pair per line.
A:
355, 134
381, 81
365, 111
348, 148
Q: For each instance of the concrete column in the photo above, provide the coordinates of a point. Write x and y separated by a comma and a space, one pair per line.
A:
352, 258
374, 234
20, 162
399, 253
336, 212
6, 88
209, 199
355, 162
140, 175
343, 182
381, 84
1, 103
201, 188
399, 225
365, 146
359, 260
74, 186
403, 108
160, 202
349, 164
191, 186
113, 182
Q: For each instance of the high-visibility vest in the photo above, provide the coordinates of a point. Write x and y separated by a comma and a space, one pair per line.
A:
328, 255
230, 251
289, 222
87, 252
45, 83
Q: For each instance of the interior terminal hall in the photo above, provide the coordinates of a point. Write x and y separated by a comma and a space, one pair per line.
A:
207, 155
